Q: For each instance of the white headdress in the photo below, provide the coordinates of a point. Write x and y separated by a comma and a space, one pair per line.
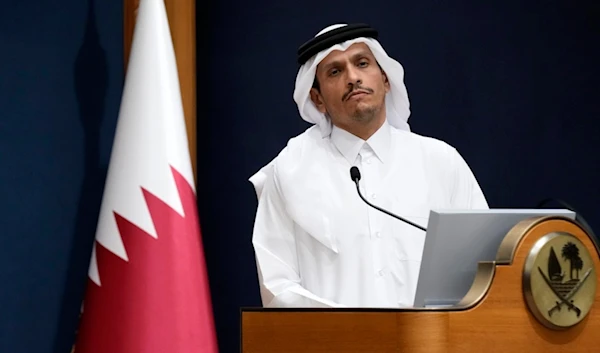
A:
396, 102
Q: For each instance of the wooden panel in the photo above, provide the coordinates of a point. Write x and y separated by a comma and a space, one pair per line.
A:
318, 332
501, 322
182, 22
418, 333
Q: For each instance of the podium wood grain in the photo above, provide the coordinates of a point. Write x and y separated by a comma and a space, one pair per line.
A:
500, 322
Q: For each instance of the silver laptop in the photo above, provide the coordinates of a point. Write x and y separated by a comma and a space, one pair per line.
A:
456, 241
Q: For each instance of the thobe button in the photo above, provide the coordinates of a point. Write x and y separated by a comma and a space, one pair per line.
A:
378, 235
381, 273
369, 161
373, 196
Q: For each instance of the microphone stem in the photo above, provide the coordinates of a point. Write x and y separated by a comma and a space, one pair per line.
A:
384, 211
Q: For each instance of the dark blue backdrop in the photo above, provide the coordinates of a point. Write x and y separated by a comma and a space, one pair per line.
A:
61, 72
513, 85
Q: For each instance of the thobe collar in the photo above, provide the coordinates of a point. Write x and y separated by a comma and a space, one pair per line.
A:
350, 145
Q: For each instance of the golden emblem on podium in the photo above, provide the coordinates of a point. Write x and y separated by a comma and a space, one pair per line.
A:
559, 280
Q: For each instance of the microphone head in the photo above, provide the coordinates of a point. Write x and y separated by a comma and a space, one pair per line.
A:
355, 174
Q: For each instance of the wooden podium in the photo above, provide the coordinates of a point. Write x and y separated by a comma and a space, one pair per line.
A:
498, 314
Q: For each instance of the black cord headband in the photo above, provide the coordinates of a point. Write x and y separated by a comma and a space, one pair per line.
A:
333, 37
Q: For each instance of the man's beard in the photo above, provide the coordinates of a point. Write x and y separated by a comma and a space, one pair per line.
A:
365, 115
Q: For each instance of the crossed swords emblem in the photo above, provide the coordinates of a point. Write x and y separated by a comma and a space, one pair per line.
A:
565, 299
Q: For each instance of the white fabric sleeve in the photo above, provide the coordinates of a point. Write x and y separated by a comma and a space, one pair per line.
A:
275, 251
466, 193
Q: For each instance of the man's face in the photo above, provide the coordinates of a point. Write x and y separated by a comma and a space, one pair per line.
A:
352, 87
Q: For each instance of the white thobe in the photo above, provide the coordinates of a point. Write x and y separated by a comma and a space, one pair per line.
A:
317, 244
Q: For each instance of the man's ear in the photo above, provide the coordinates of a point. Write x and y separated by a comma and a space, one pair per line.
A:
317, 99
386, 82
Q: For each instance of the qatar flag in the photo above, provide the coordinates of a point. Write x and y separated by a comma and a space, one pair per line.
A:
148, 288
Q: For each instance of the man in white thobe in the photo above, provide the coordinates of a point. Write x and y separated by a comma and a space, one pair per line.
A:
317, 244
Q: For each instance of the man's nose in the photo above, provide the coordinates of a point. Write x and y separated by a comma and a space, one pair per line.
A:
353, 77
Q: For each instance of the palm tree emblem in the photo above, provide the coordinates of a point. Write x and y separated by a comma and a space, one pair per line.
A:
570, 252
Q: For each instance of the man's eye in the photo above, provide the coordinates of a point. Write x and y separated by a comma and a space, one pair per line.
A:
334, 72
363, 64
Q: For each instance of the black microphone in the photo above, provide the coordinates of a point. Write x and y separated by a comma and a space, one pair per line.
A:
355, 175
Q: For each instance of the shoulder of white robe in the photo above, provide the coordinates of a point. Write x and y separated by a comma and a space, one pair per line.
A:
293, 145
259, 179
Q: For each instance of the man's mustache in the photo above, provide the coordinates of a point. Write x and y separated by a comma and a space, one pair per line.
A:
354, 90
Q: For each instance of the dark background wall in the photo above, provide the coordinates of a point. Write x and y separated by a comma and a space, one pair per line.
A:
512, 84
61, 73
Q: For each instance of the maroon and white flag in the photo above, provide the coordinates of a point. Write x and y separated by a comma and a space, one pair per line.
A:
148, 287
